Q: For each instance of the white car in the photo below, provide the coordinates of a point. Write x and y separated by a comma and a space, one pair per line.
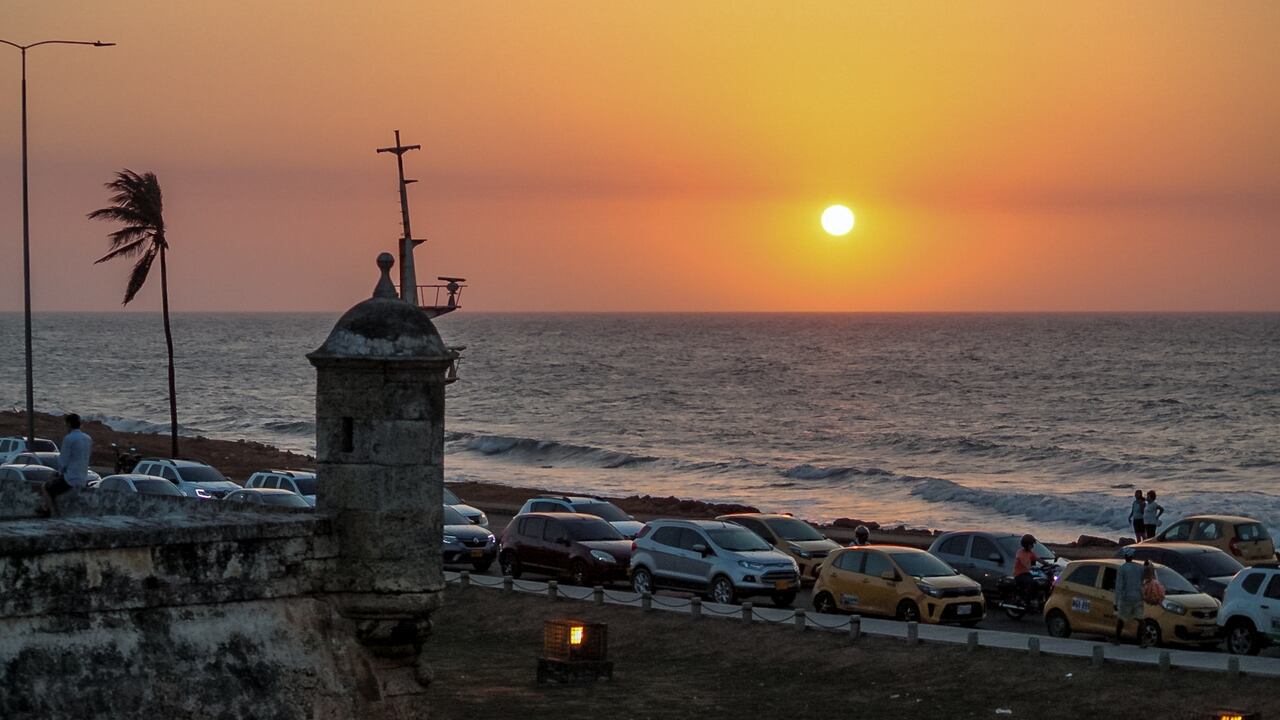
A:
30, 473
193, 479
11, 447
139, 485
299, 482
603, 509
50, 460
1251, 610
474, 515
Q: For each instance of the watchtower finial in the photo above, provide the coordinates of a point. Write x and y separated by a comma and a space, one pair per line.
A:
385, 288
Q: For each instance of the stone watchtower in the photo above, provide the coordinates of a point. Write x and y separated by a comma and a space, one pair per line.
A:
380, 388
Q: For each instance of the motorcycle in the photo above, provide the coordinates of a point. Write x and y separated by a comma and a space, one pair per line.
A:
1017, 602
126, 461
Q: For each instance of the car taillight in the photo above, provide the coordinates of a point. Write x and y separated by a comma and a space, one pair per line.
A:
633, 546
1235, 547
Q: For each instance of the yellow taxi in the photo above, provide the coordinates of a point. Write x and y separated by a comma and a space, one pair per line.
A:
1245, 539
797, 538
1084, 600
900, 582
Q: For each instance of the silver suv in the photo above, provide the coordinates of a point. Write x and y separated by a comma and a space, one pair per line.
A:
193, 479
298, 482
724, 561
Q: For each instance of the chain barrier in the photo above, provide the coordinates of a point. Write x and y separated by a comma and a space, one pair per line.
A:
676, 604
528, 586
564, 590
842, 623
791, 616
622, 597
482, 581
722, 613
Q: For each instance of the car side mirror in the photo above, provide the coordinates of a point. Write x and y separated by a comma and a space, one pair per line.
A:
700, 549
888, 575
995, 557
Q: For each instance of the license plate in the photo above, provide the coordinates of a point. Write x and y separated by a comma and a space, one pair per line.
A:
477, 553
782, 585
964, 609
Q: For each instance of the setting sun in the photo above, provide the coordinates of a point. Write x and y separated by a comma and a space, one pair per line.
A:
837, 220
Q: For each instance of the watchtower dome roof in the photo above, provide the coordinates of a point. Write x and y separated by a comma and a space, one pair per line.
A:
384, 327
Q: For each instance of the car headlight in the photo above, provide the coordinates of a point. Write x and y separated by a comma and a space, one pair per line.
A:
802, 553
603, 556
758, 567
929, 590
482, 519
1173, 607
450, 539
202, 493
489, 538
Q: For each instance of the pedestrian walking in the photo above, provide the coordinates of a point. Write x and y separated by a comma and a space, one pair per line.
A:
861, 537
73, 463
1136, 509
1128, 595
1151, 513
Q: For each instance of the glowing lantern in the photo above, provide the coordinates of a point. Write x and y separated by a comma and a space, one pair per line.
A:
574, 650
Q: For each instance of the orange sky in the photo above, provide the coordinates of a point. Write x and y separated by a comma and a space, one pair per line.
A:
661, 155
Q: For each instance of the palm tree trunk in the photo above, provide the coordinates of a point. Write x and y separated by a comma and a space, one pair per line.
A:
168, 341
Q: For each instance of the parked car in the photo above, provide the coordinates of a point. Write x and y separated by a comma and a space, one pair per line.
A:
1084, 601
601, 508
987, 557
1243, 538
301, 482
796, 538
583, 548
721, 560
1250, 615
1204, 566
193, 479
466, 542
898, 582
50, 460
30, 473
273, 497
13, 446
139, 484
468, 512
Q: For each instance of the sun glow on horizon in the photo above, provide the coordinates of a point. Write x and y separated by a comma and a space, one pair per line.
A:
837, 220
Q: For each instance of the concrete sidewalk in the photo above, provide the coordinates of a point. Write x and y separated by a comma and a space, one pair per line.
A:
1185, 659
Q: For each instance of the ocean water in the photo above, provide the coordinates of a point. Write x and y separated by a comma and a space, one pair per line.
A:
1022, 422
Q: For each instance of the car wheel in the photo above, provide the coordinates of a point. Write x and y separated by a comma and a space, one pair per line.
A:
510, 564
578, 574
1057, 624
722, 590
642, 581
908, 611
824, 603
783, 600
1150, 636
482, 565
1242, 639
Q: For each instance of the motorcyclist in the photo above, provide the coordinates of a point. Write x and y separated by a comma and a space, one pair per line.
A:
1023, 561
861, 537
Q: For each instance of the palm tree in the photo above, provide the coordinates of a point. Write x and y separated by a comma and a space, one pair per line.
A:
137, 204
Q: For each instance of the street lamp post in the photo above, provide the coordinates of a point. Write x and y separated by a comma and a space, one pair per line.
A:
26, 228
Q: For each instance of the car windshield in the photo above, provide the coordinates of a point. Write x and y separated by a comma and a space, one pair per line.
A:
453, 517
592, 530
738, 539
450, 498
155, 486
922, 565
1012, 544
1216, 564
44, 446
602, 510
1174, 584
792, 529
1252, 531
284, 500
306, 485
200, 474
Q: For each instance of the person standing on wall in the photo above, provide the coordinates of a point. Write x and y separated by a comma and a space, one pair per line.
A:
73, 462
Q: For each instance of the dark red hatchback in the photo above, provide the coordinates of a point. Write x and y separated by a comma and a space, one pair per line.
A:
582, 548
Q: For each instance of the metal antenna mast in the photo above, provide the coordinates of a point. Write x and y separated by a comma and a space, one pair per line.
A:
408, 275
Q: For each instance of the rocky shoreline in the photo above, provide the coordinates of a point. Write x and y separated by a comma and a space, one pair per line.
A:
239, 458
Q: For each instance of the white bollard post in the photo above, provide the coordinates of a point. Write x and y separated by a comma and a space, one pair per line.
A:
913, 633
971, 643
1233, 667
801, 622
855, 627
1033, 646
646, 601
746, 612
597, 594
1166, 663
1099, 655
695, 607
553, 590
508, 584
464, 579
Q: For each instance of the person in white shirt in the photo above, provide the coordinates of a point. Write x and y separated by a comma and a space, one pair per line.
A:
73, 463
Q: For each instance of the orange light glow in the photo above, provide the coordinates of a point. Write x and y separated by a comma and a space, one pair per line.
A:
575, 635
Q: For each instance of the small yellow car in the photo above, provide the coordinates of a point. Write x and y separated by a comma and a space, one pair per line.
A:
1084, 601
797, 538
899, 582
1244, 539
